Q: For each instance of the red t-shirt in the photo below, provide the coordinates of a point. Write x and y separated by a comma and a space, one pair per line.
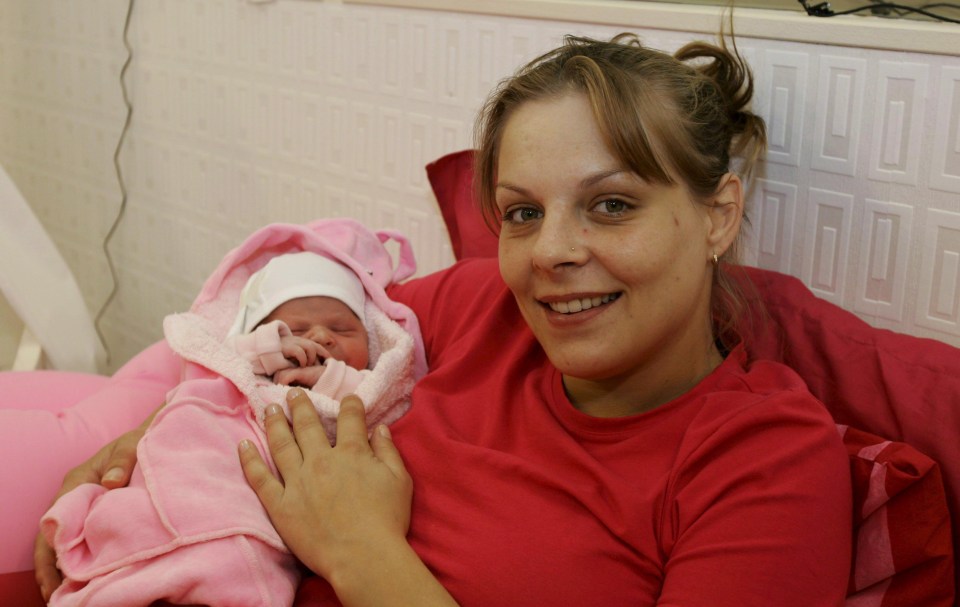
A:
736, 493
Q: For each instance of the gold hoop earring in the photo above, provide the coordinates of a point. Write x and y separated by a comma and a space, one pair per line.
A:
716, 260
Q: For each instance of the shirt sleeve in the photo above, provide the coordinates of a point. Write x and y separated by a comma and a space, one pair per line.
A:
261, 348
759, 512
448, 303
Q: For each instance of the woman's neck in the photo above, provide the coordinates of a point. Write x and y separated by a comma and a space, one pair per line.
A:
640, 392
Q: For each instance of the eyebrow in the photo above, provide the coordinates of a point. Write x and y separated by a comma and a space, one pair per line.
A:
598, 177
586, 182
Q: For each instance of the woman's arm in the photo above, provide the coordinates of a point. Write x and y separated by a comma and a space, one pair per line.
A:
345, 510
111, 467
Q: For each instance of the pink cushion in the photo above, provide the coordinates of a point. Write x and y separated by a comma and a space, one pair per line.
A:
46, 390
52, 420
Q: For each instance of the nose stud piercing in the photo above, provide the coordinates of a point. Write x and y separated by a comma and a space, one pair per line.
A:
572, 249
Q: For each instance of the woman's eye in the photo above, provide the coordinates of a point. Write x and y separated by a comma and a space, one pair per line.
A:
611, 206
522, 215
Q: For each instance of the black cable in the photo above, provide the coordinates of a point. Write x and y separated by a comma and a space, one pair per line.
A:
824, 10
123, 189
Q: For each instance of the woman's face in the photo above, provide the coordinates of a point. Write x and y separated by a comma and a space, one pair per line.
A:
612, 273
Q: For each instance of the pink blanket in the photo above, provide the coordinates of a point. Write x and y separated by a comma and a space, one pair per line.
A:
188, 529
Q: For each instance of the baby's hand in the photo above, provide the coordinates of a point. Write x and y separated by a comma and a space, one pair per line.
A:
304, 351
299, 376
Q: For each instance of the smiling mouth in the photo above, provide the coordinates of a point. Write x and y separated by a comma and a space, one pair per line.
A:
584, 303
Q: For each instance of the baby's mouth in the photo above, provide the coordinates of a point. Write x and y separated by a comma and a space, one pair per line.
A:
580, 304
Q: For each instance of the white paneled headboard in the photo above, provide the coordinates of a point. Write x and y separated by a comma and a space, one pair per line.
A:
246, 113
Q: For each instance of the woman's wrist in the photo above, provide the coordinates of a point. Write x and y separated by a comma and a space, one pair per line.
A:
386, 573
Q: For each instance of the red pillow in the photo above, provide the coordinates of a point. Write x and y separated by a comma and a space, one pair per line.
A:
901, 542
452, 180
898, 386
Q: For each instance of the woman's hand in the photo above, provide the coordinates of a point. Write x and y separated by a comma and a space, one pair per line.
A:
111, 467
333, 506
344, 510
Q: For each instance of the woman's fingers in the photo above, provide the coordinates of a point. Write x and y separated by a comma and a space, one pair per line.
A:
45, 568
258, 475
119, 465
307, 428
386, 451
352, 423
283, 446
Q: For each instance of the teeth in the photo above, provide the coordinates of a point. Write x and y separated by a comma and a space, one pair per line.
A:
579, 305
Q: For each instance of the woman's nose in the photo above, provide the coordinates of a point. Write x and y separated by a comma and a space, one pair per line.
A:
557, 243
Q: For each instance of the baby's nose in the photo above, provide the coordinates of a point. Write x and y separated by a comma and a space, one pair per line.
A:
320, 335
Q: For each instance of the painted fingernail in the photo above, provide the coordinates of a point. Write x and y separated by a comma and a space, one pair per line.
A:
245, 445
273, 409
294, 393
384, 431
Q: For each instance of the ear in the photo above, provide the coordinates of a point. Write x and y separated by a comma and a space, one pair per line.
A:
725, 212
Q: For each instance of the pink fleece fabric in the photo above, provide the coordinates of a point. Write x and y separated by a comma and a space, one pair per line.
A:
188, 509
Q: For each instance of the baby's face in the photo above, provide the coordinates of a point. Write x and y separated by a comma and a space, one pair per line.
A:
328, 322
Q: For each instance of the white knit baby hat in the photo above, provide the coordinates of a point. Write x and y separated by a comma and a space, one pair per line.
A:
291, 276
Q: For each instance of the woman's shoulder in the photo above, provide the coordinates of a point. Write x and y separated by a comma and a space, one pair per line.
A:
761, 406
457, 302
450, 288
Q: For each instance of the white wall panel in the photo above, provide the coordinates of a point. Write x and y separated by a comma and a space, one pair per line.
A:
939, 299
311, 46
388, 54
451, 65
362, 134
898, 122
827, 241
945, 167
418, 140
837, 120
884, 254
522, 45
338, 46
338, 138
391, 159
783, 87
770, 237
417, 61
485, 52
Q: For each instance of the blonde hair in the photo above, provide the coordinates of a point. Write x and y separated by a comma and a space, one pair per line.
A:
669, 119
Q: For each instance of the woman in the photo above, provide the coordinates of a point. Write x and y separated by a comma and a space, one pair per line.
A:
589, 431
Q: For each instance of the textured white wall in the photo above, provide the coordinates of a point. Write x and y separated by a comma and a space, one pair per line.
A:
287, 111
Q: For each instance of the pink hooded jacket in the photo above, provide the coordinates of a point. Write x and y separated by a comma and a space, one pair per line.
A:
188, 529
